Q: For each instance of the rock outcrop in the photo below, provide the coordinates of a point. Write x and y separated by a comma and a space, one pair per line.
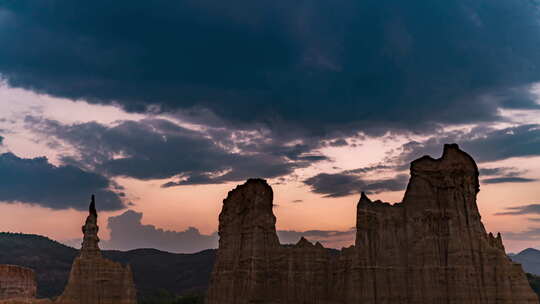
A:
17, 284
94, 279
430, 249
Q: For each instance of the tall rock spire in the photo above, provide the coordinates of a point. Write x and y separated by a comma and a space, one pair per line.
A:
90, 230
92, 207
94, 279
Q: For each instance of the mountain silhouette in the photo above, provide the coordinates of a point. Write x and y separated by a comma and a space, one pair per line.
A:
154, 271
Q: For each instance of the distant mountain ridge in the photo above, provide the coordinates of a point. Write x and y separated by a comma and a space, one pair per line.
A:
153, 270
529, 260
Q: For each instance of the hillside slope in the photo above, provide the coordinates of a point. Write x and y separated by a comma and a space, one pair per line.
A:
529, 259
154, 271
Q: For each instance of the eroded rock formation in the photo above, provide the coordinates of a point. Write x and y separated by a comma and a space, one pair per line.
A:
94, 279
432, 249
17, 284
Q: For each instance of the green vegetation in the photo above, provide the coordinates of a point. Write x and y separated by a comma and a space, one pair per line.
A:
534, 281
165, 297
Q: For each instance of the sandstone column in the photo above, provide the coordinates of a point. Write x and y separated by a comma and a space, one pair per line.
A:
431, 248
94, 279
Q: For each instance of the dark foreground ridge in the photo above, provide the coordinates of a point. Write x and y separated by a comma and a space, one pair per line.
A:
432, 248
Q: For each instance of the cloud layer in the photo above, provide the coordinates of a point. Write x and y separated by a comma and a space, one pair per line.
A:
483, 143
500, 180
319, 66
258, 76
521, 210
36, 181
127, 232
158, 149
344, 184
532, 233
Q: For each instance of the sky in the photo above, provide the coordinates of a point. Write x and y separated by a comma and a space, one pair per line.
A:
160, 108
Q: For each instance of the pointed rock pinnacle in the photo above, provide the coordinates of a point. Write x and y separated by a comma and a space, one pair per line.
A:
92, 208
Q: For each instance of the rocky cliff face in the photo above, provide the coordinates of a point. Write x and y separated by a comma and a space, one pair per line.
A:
17, 283
432, 249
94, 279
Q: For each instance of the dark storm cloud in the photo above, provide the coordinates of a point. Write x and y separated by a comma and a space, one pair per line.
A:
36, 181
520, 210
484, 144
128, 232
157, 149
319, 65
343, 184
